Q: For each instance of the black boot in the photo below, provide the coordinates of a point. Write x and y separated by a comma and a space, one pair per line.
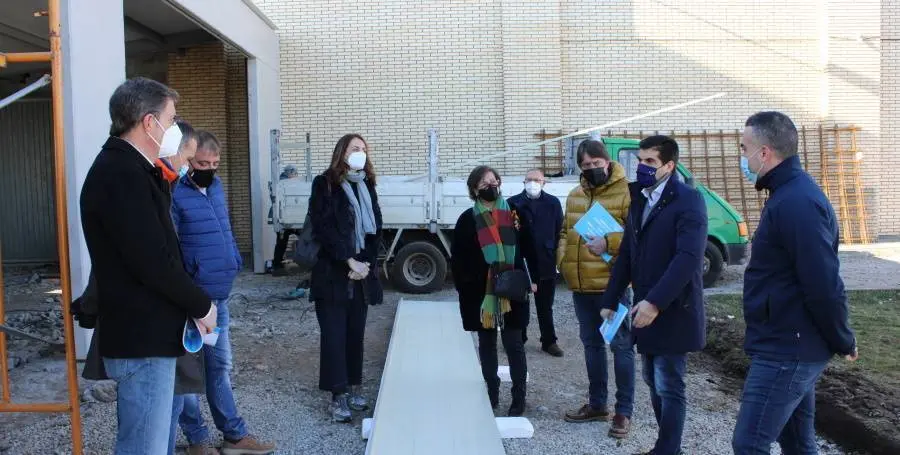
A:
517, 407
494, 394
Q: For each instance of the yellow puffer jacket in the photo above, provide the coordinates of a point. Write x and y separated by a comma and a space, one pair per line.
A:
582, 270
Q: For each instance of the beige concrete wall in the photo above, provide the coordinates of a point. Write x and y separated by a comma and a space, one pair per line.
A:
491, 74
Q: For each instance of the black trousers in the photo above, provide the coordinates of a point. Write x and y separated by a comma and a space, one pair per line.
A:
515, 352
543, 305
281, 243
342, 324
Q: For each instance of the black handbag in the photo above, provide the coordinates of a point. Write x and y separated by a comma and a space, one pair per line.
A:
306, 248
513, 285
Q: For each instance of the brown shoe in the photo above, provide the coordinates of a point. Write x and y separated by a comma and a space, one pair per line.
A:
202, 449
587, 414
553, 349
250, 445
620, 427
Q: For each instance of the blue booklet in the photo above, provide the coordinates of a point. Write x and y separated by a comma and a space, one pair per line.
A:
610, 326
597, 222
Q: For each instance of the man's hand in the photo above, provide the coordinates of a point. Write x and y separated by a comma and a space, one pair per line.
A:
208, 323
606, 313
644, 314
597, 245
533, 288
852, 357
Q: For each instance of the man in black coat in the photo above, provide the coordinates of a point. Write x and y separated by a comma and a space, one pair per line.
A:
541, 217
662, 257
144, 295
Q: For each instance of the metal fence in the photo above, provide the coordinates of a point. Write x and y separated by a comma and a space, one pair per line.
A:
829, 153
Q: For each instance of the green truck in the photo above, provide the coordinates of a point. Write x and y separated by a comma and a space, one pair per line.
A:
727, 239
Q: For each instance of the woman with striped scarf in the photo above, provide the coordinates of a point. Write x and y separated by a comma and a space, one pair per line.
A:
485, 242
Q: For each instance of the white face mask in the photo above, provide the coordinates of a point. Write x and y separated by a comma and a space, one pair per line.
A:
533, 189
357, 161
170, 142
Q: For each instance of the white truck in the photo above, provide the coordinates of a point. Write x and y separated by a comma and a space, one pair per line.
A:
419, 214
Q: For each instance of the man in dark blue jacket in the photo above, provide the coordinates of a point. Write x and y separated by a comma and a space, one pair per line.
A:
662, 256
795, 306
541, 217
211, 257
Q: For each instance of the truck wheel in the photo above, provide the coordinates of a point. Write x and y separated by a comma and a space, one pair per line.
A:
419, 268
713, 264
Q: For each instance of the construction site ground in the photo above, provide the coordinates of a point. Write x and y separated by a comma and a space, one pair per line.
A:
276, 341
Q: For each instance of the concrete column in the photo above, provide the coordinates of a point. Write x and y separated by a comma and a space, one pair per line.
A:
93, 46
265, 114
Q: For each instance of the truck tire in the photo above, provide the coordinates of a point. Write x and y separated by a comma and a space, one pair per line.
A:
419, 268
713, 264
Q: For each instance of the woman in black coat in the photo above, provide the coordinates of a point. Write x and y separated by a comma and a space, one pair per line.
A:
486, 238
346, 222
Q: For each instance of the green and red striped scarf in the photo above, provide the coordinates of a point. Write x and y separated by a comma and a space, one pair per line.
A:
496, 231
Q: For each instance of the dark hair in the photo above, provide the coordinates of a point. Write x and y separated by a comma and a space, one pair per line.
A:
338, 168
664, 145
187, 132
475, 178
133, 100
774, 130
208, 141
592, 148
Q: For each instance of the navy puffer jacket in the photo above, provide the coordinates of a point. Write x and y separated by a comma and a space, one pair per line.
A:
208, 247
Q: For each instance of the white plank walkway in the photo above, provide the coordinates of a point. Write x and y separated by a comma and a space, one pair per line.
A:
432, 398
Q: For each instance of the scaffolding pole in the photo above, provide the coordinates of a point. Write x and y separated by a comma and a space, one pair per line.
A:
62, 232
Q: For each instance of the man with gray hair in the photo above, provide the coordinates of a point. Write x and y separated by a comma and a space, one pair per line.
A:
795, 306
144, 294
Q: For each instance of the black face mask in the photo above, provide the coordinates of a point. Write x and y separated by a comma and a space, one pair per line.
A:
595, 177
489, 194
203, 177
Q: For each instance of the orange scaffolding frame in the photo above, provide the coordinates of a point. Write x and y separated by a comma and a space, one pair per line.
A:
62, 236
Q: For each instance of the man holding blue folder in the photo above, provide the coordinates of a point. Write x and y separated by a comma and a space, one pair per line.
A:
662, 257
594, 211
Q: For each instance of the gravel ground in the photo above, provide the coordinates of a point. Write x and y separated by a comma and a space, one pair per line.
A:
276, 366
863, 267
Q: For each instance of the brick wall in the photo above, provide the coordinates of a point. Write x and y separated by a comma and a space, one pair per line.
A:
390, 70
238, 156
212, 82
889, 200
491, 74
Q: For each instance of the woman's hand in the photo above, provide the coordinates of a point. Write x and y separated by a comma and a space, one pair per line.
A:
357, 268
355, 276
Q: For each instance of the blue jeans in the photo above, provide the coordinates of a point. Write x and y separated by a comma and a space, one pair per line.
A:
587, 310
664, 374
186, 408
779, 404
145, 387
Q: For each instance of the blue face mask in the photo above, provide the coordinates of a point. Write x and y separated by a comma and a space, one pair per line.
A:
745, 169
183, 170
646, 175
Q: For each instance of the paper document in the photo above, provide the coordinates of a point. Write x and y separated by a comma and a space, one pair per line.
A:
597, 222
610, 326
